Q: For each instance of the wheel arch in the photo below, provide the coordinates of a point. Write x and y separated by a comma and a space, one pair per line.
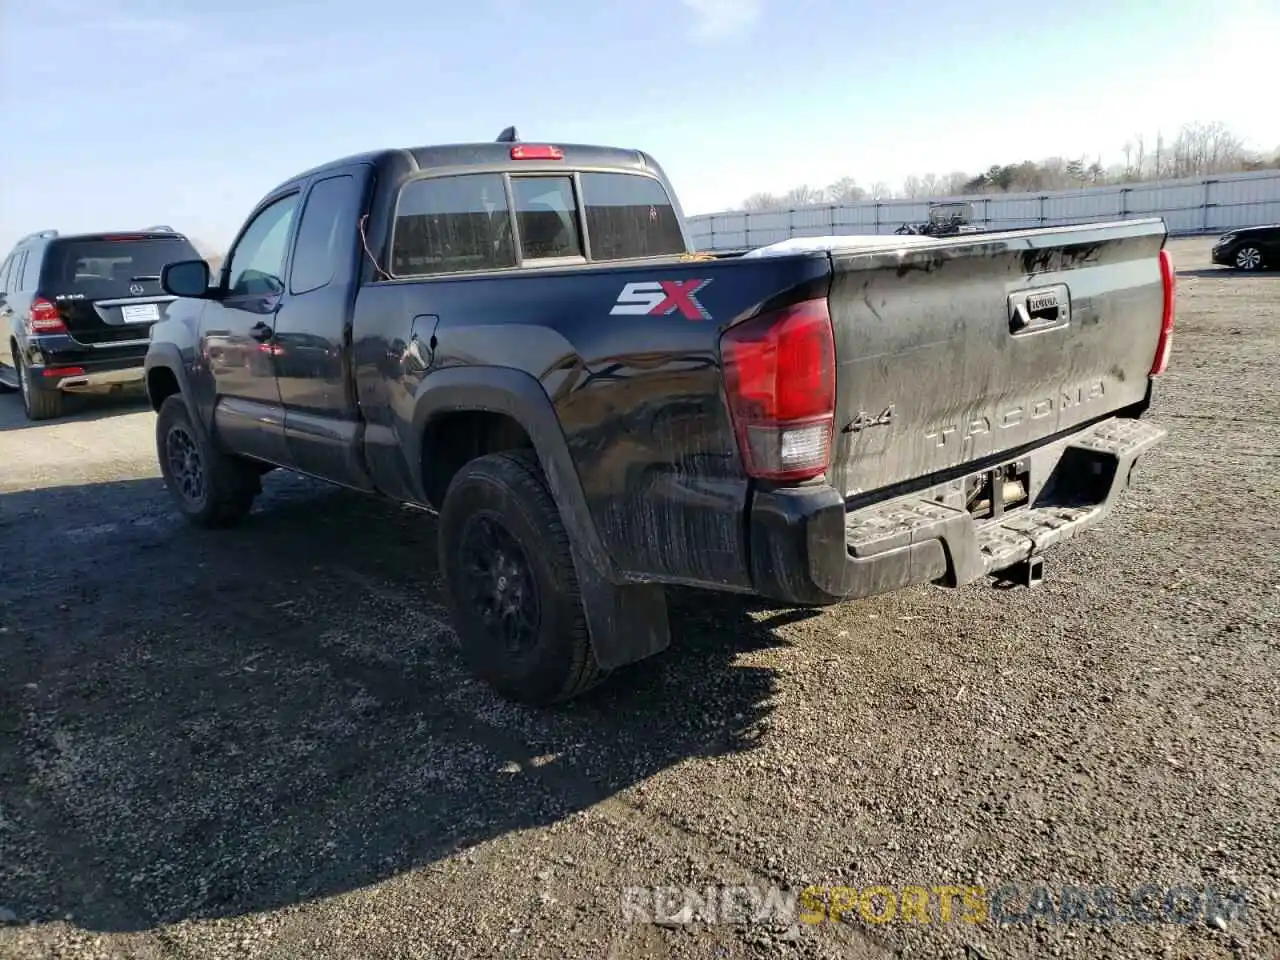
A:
628, 620
502, 398
166, 375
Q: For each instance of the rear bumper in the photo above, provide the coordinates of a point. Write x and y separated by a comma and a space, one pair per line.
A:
92, 379
61, 363
807, 549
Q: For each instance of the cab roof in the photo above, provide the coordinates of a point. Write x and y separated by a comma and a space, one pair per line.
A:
491, 153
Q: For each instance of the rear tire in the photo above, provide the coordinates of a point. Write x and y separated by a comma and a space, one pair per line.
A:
212, 489
510, 582
37, 402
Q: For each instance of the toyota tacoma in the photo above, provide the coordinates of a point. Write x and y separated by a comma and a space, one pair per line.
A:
520, 337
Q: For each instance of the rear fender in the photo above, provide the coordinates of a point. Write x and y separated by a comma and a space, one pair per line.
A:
627, 621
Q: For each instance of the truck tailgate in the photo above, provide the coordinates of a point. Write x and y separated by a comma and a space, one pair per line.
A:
968, 348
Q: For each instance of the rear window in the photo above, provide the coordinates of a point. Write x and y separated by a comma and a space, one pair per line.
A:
629, 216
462, 223
102, 269
452, 225
547, 215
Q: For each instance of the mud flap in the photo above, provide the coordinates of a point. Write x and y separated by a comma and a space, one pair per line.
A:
627, 622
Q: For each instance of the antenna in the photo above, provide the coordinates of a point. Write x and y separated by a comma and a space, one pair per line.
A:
509, 135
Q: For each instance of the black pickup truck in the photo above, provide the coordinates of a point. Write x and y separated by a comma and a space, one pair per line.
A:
519, 337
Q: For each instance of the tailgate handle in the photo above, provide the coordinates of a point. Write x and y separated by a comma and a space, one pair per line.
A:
1039, 310
1044, 314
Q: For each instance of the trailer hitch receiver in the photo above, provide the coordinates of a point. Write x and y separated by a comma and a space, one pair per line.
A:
1024, 573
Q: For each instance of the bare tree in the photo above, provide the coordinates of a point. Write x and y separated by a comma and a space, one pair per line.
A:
931, 185
1135, 159
803, 196
762, 201
1199, 149
953, 183
845, 190
1202, 148
1054, 174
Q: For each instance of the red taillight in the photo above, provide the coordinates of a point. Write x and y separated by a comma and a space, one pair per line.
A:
780, 378
63, 371
525, 151
119, 238
1169, 277
44, 317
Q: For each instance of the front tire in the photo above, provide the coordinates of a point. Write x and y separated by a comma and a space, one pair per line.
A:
510, 582
1248, 258
212, 489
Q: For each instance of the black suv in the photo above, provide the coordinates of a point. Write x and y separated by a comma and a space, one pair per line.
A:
76, 311
1249, 248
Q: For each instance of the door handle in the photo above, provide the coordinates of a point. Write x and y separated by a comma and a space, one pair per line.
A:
261, 332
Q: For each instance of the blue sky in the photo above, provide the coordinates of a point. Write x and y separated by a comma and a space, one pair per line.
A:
130, 112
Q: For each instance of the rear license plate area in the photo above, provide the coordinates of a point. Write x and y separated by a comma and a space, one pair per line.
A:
140, 312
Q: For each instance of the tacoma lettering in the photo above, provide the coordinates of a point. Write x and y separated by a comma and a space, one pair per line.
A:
1016, 416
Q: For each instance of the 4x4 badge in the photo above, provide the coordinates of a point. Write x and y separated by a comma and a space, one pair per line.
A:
864, 420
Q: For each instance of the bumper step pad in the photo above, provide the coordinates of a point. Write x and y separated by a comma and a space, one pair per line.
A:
1095, 468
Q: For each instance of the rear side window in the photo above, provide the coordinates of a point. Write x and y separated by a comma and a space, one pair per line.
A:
318, 249
547, 217
30, 272
629, 216
451, 225
12, 272
107, 268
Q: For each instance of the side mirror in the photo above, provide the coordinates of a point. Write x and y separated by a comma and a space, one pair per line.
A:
186, 278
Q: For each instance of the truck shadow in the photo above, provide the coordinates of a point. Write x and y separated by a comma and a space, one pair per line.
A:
202, 725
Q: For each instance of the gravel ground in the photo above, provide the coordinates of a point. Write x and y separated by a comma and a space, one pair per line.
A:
262, 743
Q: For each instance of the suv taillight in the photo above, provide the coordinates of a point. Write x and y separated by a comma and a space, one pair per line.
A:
780, 379
1169, 277
44, 317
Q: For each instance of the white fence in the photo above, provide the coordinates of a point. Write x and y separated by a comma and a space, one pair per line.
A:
1199, 205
